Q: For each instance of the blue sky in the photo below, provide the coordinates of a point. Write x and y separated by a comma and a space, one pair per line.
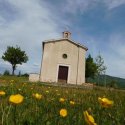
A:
97, 24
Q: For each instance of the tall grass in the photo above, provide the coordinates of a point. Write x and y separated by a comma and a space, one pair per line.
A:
46, 111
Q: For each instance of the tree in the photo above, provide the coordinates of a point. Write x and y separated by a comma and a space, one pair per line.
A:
91, 68
101, 68
113, 84
25, 75
14, 56
6, 73
19, 74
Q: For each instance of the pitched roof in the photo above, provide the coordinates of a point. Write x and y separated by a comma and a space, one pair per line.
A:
57, 40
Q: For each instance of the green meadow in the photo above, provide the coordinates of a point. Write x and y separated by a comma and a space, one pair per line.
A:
46, 111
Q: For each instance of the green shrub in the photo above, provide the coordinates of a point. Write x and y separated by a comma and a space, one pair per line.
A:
6, 73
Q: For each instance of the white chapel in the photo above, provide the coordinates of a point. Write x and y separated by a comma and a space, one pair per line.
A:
63, 61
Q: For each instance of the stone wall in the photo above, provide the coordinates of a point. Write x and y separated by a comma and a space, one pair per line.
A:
33, 77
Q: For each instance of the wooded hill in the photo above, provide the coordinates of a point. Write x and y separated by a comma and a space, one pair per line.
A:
109, 81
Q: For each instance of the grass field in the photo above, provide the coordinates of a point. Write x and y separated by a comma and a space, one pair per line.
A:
46, 110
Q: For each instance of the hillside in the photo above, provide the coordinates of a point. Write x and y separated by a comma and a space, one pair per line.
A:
109, 80
39, 104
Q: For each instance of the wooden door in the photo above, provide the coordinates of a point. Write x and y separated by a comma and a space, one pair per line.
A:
63, 74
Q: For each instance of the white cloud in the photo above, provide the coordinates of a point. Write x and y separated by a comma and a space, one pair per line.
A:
115, 66
2, 21
112, 50
111, 4
29, 68
114, 55
34, 23
36, 65
74, 6
117, 44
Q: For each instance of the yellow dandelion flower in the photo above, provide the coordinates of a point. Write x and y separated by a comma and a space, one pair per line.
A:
2, 93
52, 99
72, 102
12, 81
63, 112
105, 102
89, 119
19, 89
58, 94
16, 99
24, 83
47, 91
37, 96
67, 91
61, 100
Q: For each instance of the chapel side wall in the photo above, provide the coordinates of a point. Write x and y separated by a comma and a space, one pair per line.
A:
33, 77
81, 66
